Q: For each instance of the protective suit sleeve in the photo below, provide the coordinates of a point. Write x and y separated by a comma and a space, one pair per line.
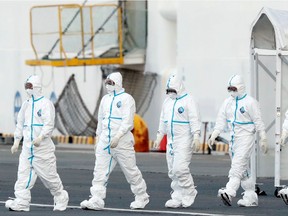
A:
255, 114
263, 142
285, 123
221, 120
15, 146
256, 117
48, 117
283, 138
100, 117
162, 127
18, 133
96, 142
284, 133
127, 122
194, 117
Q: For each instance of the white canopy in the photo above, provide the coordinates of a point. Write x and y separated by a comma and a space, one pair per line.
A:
269, 48
270, 29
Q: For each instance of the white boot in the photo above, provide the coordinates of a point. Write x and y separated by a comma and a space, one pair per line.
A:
94, 203
17, 205
176, 198
140, 202
284, 195
61, 201
225, 197
173, 203
189, 200
249, 199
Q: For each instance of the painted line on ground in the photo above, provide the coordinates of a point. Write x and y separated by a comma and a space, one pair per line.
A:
136, 210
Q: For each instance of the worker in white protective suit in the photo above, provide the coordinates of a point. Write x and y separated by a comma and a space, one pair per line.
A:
180, 120
35, 124
242, 114
284, 192
115, 143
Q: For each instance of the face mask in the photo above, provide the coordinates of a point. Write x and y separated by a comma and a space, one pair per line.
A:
29, 92
234, 94
172, 95
110, 88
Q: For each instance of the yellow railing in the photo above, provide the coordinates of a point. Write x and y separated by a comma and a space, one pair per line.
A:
82, 27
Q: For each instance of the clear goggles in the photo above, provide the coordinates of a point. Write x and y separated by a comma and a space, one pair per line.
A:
169, 90
28, 85
232, 89
109, 82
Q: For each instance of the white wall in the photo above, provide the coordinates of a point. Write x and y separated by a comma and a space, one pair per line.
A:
213, 52
161, 54
14, 43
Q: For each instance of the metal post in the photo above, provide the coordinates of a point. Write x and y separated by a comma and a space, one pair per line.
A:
254, 157
278, 119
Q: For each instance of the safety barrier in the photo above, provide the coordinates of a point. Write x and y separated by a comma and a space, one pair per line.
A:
9, 138
74, 139
222, 147
218, 148
61, 139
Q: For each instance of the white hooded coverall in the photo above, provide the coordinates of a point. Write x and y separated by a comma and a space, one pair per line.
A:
242, 114
284, 192
180, 120
35, 119
116, 118
285, 123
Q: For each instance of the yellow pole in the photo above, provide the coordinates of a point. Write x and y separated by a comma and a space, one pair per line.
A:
31, 35
120, 32
82, 28
92, 30
60, 30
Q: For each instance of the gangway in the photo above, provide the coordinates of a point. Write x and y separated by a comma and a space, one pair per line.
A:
80, 35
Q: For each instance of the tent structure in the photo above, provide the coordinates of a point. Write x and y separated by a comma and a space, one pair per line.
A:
269, 61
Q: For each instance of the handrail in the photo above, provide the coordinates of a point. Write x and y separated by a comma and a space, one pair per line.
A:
97, 31
31, 26
65, 31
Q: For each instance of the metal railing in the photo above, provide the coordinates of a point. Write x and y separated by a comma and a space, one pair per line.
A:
72, 34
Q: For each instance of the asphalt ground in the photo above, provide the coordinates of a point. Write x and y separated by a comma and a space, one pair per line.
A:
75, 166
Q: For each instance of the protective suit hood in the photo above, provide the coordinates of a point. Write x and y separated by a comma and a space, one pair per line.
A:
116, 77
175, 82
237, 81
36, 89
